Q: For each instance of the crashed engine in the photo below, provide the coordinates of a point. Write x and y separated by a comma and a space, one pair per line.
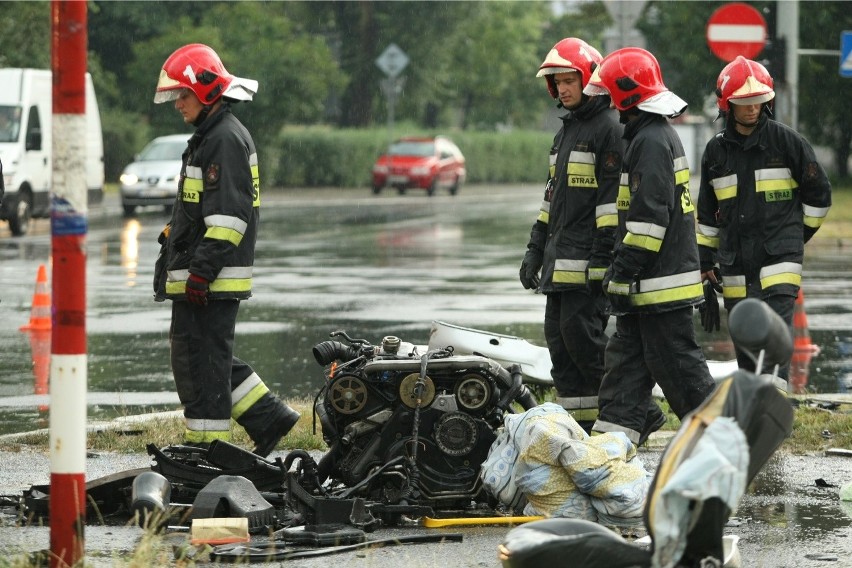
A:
405, 427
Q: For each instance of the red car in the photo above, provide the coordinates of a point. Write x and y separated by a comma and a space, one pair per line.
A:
429, 163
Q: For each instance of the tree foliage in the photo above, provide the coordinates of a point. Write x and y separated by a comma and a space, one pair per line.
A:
472, 63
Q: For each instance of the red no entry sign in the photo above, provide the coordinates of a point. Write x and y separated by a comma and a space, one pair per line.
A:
736, 29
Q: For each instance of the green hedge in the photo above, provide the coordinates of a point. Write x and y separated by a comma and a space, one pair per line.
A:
323, 157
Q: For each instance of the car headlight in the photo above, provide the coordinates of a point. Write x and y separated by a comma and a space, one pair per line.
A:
421, 171
128, 179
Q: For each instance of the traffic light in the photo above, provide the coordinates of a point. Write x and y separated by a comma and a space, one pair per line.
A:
774, 58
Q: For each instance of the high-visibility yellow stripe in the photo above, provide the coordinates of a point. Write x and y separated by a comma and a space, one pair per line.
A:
643, 241
622, 202
223, 234
814, 216
735, 287
781, 273
708, 236
724, 187
606, 215
245, 401
689, 292
712, 242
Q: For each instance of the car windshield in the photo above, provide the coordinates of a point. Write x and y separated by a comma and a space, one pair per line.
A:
172, 150
412, 148
10, 123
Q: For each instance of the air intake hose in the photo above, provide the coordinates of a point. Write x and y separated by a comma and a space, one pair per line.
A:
328, 352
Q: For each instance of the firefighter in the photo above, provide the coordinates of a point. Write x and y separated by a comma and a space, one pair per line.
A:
654, 280
207, 254
571, 240
763, 195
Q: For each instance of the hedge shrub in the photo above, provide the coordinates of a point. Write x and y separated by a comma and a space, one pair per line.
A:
321, 156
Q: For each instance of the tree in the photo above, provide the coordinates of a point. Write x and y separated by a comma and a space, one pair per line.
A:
25, 34
824, 110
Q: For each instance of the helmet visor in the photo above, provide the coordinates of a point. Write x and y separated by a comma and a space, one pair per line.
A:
167, 88
755, 100
166, 96
554, 70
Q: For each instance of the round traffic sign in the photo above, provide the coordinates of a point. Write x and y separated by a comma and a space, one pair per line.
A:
736, 29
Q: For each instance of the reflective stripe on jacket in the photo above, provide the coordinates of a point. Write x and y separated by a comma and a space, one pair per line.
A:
214, 224
761, 198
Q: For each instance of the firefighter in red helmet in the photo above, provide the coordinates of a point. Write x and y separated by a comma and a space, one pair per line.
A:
762, 196
207, 256
571, 240
654, 279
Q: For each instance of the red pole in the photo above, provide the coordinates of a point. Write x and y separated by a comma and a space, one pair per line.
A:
68, 227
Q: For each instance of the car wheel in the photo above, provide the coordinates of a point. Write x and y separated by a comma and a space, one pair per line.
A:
377, 189
432, 187
401, 190
454, 189
19, 222
129, 210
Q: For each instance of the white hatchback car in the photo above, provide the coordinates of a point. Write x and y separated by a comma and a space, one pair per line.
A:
152, 179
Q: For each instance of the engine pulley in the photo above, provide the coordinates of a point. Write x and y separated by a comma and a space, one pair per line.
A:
408, 396
456, 433
473, 392
347, 394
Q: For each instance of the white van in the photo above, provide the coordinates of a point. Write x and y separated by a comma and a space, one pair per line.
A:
26, 116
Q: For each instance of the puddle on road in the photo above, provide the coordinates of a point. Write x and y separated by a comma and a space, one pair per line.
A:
371, 267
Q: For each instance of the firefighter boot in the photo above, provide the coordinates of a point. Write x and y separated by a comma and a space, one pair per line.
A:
266, 420
654, 420
282, 421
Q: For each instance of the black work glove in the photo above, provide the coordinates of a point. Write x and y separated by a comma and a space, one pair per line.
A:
530, 267
197, 289
710, 317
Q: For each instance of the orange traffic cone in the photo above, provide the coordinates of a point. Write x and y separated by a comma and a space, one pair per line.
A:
803, 349
40, 311
40, 347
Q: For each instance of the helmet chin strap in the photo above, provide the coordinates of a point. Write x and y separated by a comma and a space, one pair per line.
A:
625, 116
202, 116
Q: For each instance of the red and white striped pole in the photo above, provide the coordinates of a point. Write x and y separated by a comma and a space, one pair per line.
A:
68, 227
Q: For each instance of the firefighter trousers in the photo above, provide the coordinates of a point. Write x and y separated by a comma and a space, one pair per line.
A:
212, 384
649, 348
574, 328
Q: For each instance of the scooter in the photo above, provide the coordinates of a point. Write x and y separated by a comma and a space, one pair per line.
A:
702, 475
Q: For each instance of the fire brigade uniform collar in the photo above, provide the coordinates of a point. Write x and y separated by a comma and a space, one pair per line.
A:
644, 118
208, 124
753, 140
589, 108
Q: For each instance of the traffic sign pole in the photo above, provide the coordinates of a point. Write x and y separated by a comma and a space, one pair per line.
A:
68, 227
392, 62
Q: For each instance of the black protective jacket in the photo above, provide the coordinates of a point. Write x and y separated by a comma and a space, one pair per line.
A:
577, 221
761, 198
656, 253
213, 228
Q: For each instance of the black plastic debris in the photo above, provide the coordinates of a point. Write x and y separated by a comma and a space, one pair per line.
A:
233, 496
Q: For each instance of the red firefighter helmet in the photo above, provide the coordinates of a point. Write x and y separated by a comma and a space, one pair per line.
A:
633, 78
743, 82
569, 55
198, 68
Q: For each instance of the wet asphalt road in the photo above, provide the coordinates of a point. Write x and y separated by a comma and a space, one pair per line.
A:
785, 521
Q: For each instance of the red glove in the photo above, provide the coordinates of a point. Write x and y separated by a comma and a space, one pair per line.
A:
197, 289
